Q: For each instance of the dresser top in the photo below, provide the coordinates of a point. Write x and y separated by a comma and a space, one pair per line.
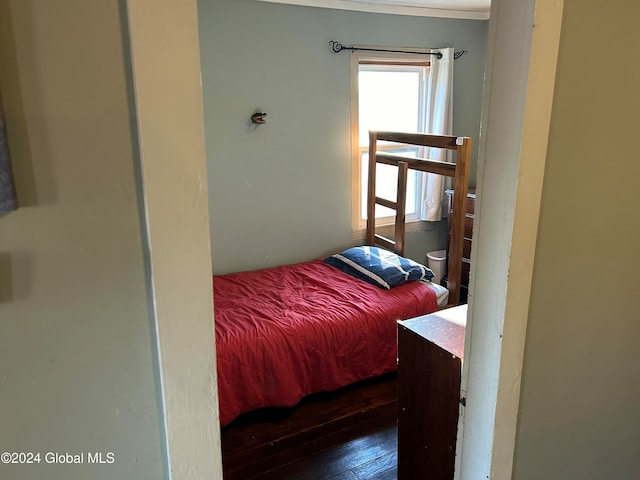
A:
445, 328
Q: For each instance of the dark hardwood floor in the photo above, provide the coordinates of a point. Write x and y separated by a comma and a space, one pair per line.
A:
350, 434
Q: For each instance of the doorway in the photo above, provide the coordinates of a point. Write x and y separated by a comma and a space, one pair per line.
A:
497, 430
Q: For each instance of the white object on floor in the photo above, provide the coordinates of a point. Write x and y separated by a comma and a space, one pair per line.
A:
436, 261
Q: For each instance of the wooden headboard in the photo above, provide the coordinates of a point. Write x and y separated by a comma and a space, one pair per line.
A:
459, 171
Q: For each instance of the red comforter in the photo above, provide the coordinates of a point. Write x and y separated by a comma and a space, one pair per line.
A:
285, 332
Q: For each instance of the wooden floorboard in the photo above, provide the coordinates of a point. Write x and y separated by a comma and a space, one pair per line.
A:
387, 475
357, 457
348, 475
378, 466
350, 434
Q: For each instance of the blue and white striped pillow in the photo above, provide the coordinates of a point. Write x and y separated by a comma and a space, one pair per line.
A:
378, 266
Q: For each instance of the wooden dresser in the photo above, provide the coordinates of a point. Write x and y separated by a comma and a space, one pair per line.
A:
468, 235
430, 352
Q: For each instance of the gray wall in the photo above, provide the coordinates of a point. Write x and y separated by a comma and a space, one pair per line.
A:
76, 356
281, 192
580, 391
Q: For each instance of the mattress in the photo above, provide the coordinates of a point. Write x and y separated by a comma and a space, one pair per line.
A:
442, 294
286, 332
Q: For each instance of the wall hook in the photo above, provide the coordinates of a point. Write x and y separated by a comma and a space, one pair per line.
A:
259, 118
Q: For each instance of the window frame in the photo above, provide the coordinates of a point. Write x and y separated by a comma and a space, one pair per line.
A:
394, 61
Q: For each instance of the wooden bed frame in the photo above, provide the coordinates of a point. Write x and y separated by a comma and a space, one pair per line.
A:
459, 171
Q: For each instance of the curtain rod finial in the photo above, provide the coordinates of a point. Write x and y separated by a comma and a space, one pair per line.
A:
335, 46
459, 53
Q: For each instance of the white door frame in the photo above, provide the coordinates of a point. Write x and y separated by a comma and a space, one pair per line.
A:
512, 155
520, 78
165, 63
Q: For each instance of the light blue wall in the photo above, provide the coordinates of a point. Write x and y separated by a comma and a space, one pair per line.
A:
281, 193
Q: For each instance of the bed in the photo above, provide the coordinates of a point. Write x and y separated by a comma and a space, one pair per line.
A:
285, 332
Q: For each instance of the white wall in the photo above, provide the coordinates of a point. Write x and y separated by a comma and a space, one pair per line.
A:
580, 395
77, 369
281, 192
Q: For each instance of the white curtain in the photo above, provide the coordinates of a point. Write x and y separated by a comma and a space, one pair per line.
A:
439, 121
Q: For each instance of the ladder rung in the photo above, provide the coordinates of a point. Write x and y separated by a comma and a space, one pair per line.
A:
384, 241
387, 203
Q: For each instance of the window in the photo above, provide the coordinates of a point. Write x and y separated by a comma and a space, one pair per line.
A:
388, 93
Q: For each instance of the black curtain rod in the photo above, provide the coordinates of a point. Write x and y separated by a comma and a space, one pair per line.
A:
337, 47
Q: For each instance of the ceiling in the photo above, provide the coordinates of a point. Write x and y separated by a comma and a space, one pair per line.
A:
467, 9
